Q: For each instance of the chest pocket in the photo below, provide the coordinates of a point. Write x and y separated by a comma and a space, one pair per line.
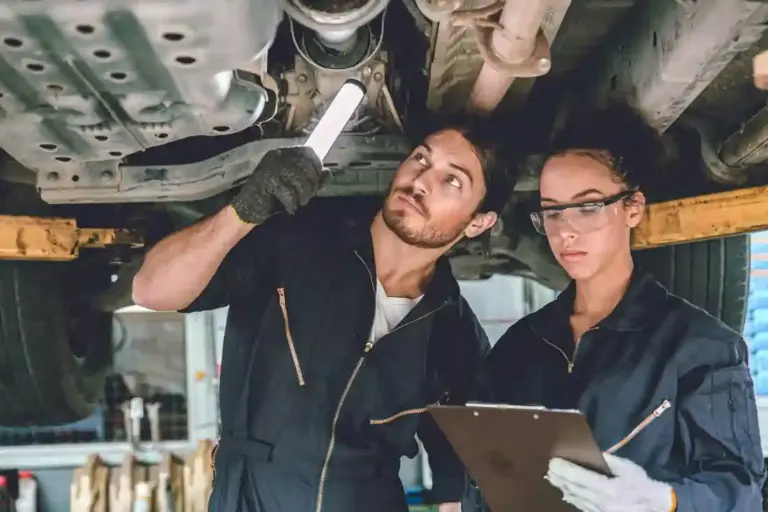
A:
661, 409
317, 312
302, 330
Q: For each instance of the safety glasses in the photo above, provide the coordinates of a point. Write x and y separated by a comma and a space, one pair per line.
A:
581, 218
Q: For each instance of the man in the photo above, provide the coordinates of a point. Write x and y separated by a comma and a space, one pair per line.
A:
336, 338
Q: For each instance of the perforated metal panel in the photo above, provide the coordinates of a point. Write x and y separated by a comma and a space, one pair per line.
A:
83, 84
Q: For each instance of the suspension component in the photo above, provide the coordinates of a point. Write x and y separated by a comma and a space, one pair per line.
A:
512, 47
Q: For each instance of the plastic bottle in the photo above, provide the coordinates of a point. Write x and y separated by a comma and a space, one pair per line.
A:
27, 501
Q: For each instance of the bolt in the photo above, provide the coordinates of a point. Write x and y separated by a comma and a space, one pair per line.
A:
53, 176
107, 175
377, 76
302, 78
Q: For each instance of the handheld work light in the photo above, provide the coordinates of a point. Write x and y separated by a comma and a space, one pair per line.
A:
334, 119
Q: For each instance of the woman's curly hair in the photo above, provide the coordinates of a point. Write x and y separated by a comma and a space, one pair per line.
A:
634, 150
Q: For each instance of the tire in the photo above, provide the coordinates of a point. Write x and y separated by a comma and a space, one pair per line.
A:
54, 353
712, 274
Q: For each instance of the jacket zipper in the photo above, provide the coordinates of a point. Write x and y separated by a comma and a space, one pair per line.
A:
666, 404
368, 346
289, 337
407, 412
570, 362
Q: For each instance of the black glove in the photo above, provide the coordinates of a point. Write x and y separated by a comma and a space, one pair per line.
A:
284, 180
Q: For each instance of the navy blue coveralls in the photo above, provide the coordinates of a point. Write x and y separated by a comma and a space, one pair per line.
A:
653, 347
312, 417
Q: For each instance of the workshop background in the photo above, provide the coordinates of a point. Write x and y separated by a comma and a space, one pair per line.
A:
166, 368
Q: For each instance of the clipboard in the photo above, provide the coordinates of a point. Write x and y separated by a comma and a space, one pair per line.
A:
506, 449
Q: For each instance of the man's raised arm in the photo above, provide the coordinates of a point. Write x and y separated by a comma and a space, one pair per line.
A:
177, 270
205, 259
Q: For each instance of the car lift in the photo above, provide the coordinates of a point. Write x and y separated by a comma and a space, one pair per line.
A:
56, 239
703, 217
679, 221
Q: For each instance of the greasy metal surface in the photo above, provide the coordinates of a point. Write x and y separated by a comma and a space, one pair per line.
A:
585, 27
317, 18
54, 239
719, 170
749, 145
455, 60
666, 52
703, 217
309, 90
83, 84
732, 97
361, 165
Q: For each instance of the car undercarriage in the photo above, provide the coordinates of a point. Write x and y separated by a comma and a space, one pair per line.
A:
150, 113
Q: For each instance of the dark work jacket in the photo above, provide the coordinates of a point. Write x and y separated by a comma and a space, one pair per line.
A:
307, 411
653, 347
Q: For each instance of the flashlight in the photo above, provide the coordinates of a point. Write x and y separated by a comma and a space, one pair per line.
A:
335, 118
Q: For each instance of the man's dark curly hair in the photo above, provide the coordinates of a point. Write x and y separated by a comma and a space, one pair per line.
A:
483, 134
634, 149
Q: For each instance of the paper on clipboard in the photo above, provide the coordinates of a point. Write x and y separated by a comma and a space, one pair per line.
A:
506, 449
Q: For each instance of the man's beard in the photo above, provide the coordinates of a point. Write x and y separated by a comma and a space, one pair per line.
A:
428, 237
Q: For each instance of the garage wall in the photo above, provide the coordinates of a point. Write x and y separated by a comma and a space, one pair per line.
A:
500, 301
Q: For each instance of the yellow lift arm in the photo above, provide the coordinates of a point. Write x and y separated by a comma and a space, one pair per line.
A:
55, 239
672, 222
703, 217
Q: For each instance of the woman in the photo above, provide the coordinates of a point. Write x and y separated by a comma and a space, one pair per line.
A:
664, 386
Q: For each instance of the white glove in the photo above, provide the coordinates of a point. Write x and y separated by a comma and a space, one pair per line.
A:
629, 490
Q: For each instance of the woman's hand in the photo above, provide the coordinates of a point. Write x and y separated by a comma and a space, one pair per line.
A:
629, 489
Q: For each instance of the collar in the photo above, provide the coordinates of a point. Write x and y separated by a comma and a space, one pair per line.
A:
443, 289
640, 306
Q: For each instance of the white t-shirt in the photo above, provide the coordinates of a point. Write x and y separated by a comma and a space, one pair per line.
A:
390, 311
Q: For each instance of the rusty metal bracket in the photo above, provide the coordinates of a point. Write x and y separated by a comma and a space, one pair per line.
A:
703, 217
56, 239
484, 22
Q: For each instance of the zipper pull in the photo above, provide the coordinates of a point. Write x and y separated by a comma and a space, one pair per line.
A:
666, 404
570, 367
368, 347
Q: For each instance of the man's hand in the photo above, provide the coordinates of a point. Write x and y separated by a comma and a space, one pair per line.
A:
284, 180
449, 507
630, 489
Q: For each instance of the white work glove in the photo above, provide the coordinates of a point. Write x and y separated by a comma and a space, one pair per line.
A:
629, 490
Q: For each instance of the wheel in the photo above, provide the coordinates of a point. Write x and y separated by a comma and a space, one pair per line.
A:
712, 274
55, 352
